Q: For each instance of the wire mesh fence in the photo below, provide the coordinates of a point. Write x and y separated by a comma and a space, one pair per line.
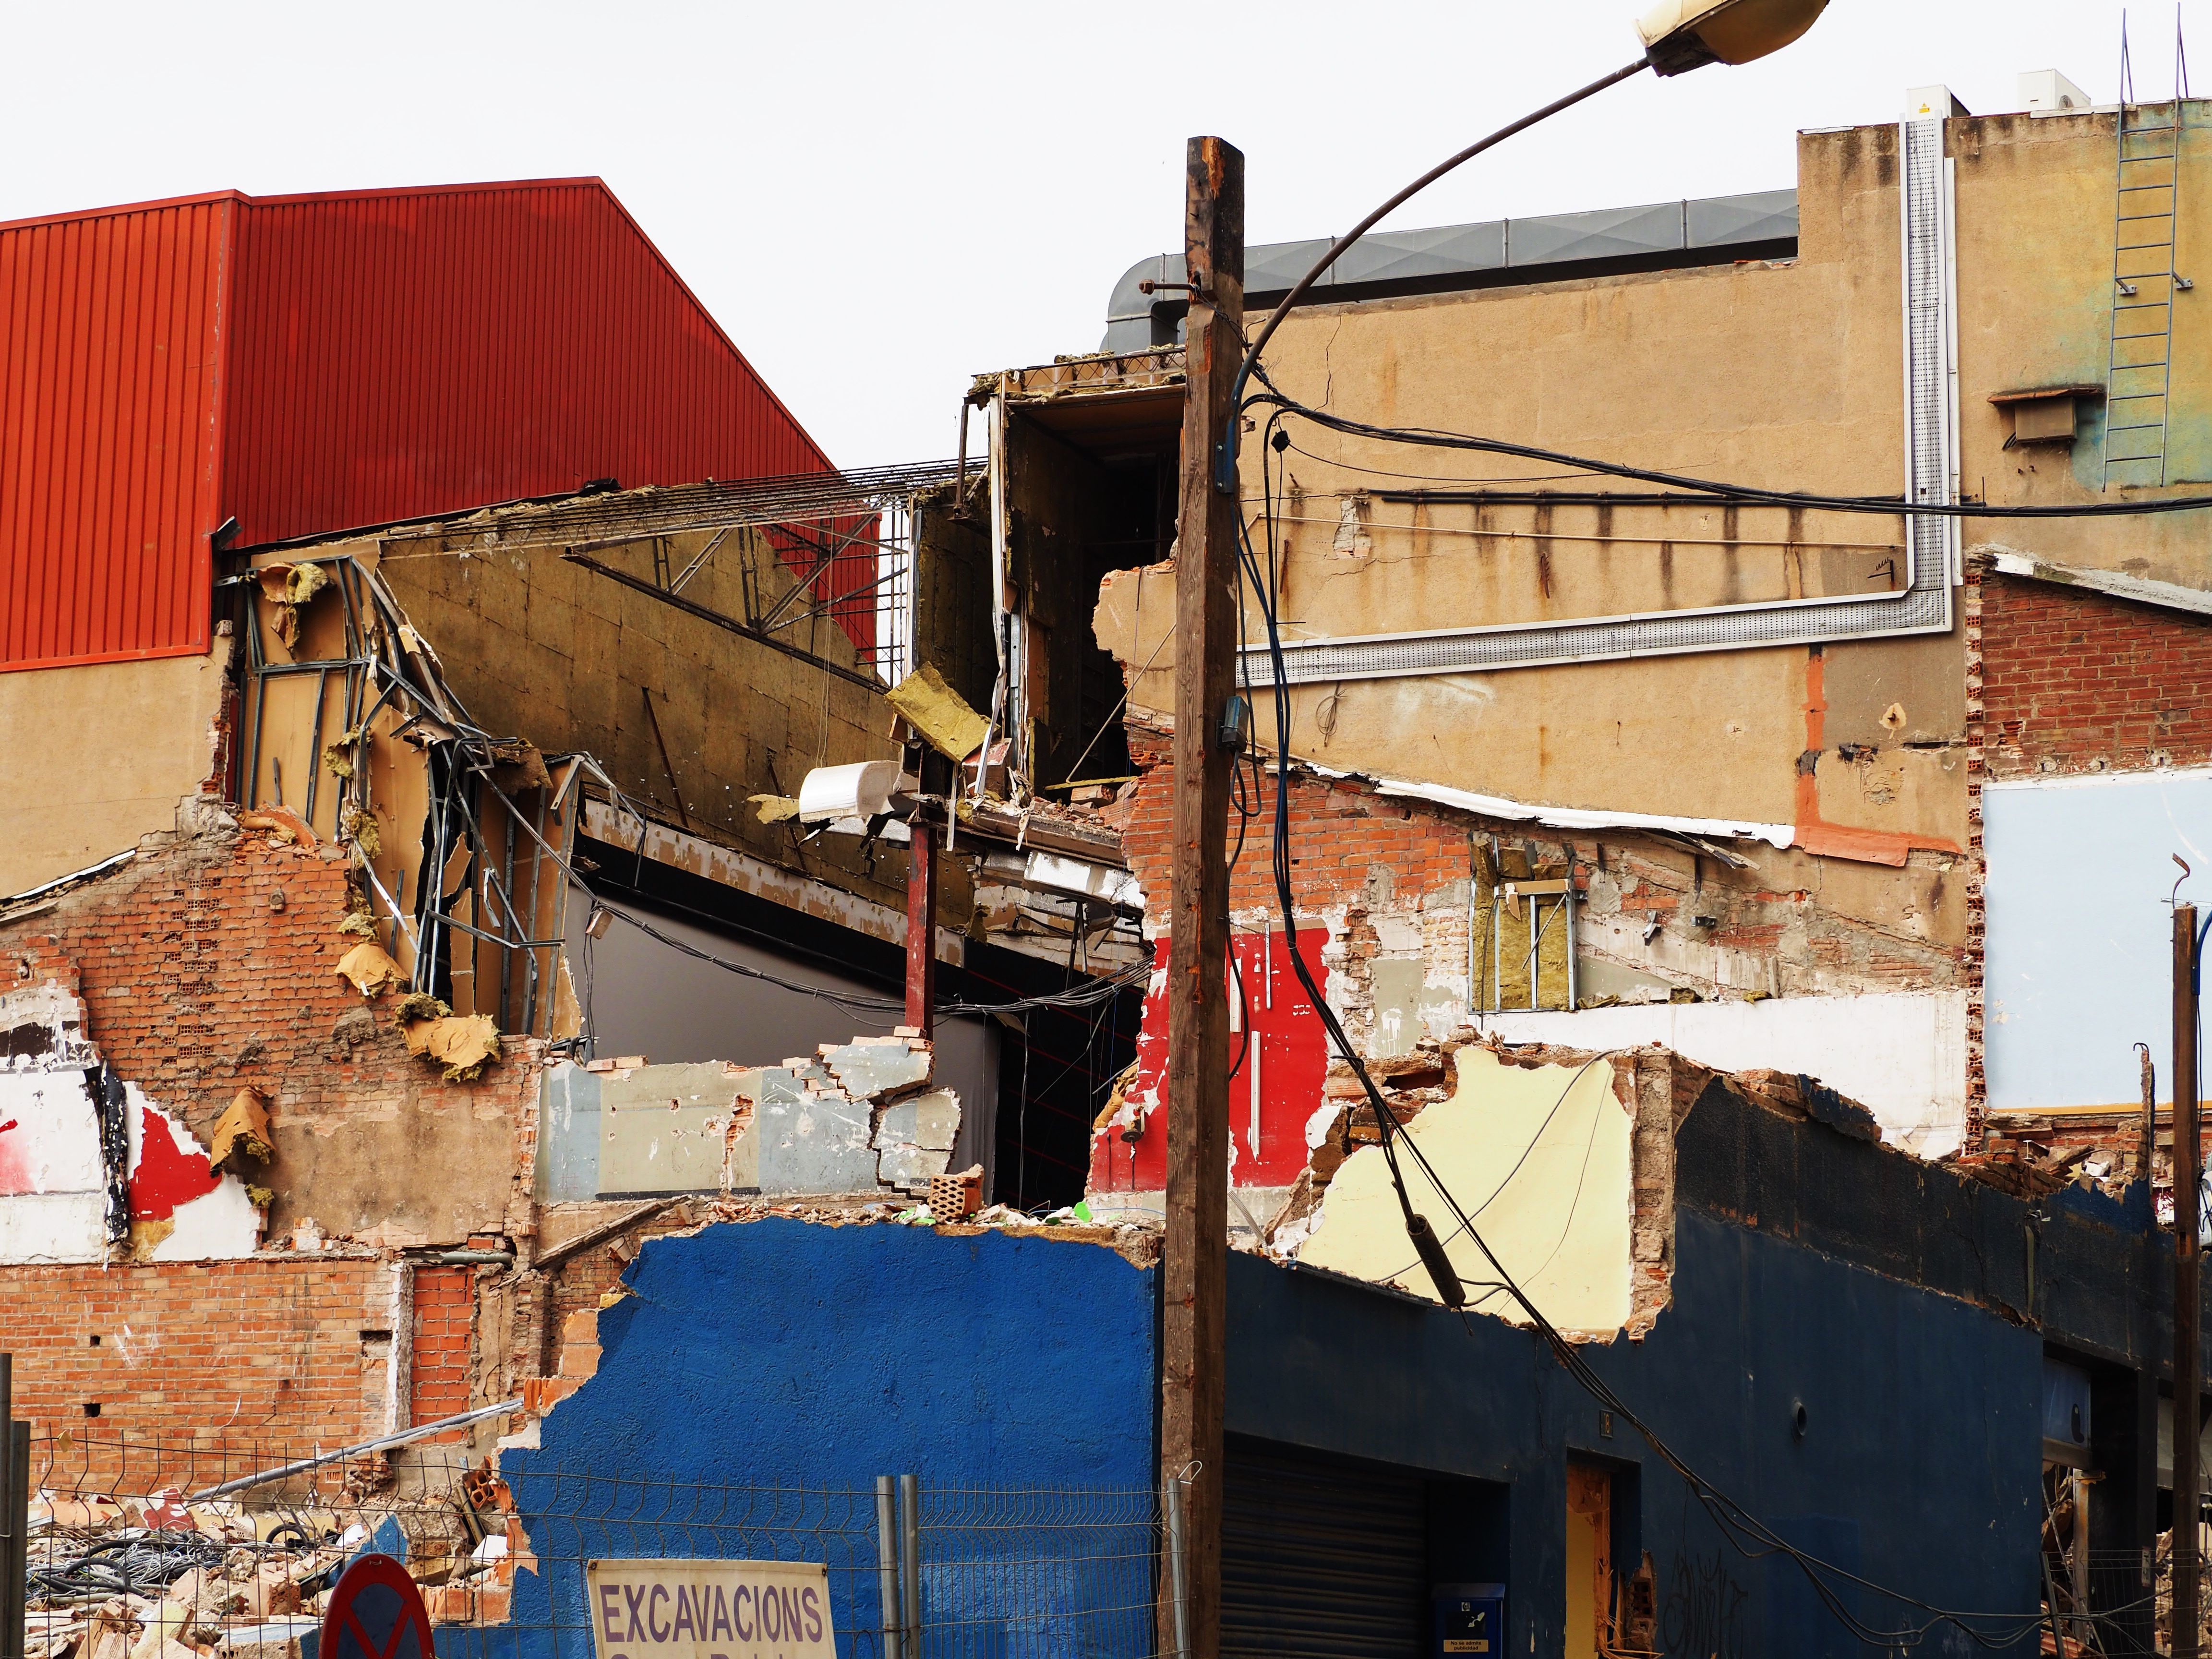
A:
1037, 1574
135, 1553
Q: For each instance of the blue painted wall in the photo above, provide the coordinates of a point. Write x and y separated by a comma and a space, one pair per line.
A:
811, 1360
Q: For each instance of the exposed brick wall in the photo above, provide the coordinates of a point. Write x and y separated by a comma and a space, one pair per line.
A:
1975, 953
239, 1358
206, 965
2077, 681
445, 1302
1349, 843
1356, 848
210, 965
1392, 877
580, 1282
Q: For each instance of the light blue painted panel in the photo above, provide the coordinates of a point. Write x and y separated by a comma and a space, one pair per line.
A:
2080, 937
569, 1135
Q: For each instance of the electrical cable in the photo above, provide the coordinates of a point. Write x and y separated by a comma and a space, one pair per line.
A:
1528, 1152
1432, 478
1225, 462
1749, 494
1575, 1203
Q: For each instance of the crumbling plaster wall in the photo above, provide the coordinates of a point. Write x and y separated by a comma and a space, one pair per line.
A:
1544, 1152
101, 755
1563, 1160
208, 965
856, 1118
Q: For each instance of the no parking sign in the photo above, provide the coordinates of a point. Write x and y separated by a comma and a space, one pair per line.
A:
376, 1612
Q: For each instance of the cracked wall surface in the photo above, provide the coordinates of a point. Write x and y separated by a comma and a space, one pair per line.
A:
1740, 957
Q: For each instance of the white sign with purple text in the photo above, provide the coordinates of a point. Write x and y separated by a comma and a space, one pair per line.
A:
709, 1610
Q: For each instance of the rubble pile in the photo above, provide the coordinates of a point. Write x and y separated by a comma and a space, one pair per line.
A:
2031, 1158
159, 1578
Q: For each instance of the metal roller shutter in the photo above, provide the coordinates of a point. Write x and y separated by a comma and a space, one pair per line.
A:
1320, 1558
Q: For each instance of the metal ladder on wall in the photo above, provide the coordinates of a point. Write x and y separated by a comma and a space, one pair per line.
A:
2139, 380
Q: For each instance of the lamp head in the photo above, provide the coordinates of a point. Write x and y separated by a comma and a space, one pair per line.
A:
1685, 34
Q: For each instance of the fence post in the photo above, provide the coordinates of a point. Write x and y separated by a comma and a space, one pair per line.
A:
15, 1514
17, 1623
887, 1563
1178, 1563
910, 1488
11, 1607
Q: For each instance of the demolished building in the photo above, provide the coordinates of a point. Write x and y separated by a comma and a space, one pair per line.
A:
1682, 867
1808, 1321
1582, 762
404, 905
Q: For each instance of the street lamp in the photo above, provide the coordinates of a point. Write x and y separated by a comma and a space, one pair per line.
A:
1680, 35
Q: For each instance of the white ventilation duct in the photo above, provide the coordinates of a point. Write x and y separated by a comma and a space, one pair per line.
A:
861, 791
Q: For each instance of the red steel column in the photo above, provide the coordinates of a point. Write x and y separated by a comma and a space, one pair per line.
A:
921, 926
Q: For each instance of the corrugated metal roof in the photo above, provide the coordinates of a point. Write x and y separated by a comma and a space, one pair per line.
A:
1445, 257
111, 336
309, 363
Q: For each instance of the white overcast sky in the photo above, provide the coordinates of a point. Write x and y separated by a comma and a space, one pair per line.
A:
876, 200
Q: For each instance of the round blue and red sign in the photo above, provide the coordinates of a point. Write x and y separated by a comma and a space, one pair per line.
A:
376, 1612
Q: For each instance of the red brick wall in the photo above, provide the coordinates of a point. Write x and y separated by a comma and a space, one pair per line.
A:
1345, 839
2077, 681
445, 1311
206, 966
239, 1358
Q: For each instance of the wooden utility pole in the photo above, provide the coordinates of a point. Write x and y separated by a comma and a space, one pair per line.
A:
921, 926
2185, 1266
1195, 1272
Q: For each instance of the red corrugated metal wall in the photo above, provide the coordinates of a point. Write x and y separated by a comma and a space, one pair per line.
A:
111, 335
413, 352
417, 351
385, 356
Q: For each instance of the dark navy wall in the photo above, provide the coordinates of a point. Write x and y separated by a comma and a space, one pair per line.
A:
1919, 1467
2090, 1269
813, 1358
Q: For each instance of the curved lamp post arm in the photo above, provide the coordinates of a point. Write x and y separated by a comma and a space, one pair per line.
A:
1680, 35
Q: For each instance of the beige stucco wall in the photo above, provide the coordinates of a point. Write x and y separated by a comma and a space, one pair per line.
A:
1786, 374
94, 757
